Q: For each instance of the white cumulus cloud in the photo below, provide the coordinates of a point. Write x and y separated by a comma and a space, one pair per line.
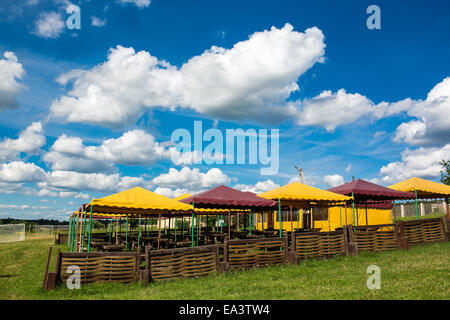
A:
259, 187
333, 180
191, 179
29, 141
138, 3
19, 171
250, 81
422, 162
49, 25
10, 72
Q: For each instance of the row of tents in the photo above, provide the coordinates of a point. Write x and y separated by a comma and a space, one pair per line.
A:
291, 207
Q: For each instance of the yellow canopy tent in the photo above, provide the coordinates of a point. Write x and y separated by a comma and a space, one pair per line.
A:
424, 189
133, 202
183, 196
303, 196
138, 201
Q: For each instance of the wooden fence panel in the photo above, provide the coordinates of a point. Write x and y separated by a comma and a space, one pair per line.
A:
423, 231
182, 263
318, 244
376, 238
244, 254
107, 266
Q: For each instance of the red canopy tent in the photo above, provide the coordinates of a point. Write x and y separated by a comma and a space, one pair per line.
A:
223, 197
370, 194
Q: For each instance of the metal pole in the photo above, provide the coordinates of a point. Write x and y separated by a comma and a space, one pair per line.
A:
76, 232
292, 222
250, 222
69, 234
109, 230
84, 229
229, 225
126, 234
353, 206
367, 223
73, 233
198, 225
262, 226
175, 231
182, 227
90, 231
192, 225
417, 209
279, 214
139, 232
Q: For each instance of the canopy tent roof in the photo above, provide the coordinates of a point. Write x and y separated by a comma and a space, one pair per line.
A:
365, 191
183, 196
223, 197
297, 191
425, 189
137, 201
378, 205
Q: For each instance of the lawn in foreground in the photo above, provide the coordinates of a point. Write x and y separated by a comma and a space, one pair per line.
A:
420, 273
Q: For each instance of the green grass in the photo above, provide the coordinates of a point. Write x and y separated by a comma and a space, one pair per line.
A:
429, 216
420, 273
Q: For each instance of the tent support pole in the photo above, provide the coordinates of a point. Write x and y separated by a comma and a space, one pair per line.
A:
159, 230
109, 230
417, 209
192, 229
250, 223
279, 214
446, 210
90, 230
73, 233
292, 222
262, 227
126, 233
229, 225
367, 223
353, 206
139, 232
69, 235
175, 231
76, 232
198, 226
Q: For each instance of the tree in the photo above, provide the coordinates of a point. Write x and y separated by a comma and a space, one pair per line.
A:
445, 174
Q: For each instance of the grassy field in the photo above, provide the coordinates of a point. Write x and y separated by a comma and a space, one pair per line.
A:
420, 273
429, 216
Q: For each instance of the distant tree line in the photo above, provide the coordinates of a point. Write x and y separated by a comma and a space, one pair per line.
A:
29, 223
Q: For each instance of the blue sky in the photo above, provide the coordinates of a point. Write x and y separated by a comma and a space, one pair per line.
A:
88, 112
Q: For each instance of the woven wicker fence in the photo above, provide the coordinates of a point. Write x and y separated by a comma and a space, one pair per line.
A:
181, 263
94, 267
423, 231
249, 253
318, 244
376, 238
